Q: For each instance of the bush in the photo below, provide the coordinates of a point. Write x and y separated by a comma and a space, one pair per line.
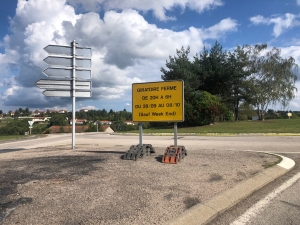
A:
203, 108
61, 129
15, 127
92, 128
47, 131
121, 126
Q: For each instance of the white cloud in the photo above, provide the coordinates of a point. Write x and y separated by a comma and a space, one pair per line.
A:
159, 8
126, 49
281, 23
89, 107
220, 29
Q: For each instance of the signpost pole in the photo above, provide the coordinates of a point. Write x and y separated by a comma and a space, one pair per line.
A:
175, 134
73, 94
141, 134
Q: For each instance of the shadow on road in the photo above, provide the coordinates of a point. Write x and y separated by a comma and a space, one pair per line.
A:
104, 152
14, 172
11, 150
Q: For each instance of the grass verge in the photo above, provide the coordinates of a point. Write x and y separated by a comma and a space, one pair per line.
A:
276, 126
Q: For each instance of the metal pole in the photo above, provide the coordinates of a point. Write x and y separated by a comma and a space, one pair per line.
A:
141, 134
73, 94
175, 134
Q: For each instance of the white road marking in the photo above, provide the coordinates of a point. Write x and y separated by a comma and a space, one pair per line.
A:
258, 207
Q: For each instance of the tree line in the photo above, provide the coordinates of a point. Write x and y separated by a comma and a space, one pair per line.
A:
16, 126
217, 82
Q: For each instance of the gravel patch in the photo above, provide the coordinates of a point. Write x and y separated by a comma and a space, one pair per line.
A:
93, 185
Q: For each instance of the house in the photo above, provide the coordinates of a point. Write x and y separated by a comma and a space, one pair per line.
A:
41, 119
84, 110
78, 121
129, 122
105, 122
62, 111
36, 119
36, 113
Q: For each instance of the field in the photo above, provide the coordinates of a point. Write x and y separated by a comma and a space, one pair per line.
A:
276, 126
291, 126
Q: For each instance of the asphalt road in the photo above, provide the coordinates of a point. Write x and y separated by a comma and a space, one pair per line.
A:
275, 144
283, 208
277, 203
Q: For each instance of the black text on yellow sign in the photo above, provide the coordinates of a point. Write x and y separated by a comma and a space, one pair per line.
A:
158, 101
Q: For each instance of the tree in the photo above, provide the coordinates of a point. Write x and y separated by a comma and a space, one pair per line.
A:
223, 74
58, 120
180, 68
26, 112
211, 69
273, 78
237, 73
17, 113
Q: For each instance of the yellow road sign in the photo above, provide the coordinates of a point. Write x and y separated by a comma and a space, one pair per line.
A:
158, 101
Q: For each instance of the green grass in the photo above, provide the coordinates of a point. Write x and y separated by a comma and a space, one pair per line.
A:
10, 137
239, 127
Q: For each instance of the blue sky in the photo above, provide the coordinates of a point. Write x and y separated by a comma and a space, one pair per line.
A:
130, 41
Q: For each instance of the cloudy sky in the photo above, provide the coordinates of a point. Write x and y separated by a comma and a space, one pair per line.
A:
130, 41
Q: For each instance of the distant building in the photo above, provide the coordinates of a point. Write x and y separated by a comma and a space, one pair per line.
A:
37, 119
129, 122
62, 111
78, 121
41, 119
53, 111
105, 122
37, 113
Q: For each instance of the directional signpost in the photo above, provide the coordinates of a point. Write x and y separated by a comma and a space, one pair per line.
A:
71, 66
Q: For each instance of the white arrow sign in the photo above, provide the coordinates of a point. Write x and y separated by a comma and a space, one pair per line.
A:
63, 84
67, 61
67, 72
67, 50
62, 93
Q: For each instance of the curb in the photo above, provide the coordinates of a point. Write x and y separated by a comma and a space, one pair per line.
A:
205, 212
